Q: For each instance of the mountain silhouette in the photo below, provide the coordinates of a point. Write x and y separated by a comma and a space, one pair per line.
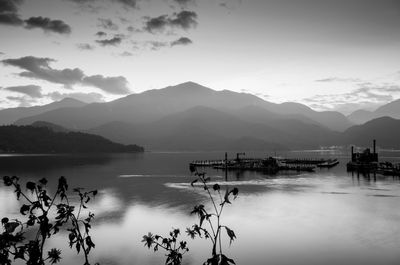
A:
152, 105
392, 109
385, 130
189, 116
51, 126
11, 115
360, 116
202, 128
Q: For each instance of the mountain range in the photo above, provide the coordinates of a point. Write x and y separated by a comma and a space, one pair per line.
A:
153, 105
11, 115
193, 117
391, 109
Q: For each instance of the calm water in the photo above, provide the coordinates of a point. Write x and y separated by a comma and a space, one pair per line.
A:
326, 217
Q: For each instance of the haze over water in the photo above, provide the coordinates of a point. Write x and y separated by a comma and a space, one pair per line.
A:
326, 217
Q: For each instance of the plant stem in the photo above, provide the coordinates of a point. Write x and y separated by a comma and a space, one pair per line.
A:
81, 239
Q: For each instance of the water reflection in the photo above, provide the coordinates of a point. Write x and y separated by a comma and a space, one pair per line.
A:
310, 227
327, 217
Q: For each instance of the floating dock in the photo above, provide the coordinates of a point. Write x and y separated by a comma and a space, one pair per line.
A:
269, 165
367, 162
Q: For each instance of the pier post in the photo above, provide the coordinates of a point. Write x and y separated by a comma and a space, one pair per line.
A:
352, 153
374, 146
226, 166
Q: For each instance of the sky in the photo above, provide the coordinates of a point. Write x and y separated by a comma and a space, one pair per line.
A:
328, 54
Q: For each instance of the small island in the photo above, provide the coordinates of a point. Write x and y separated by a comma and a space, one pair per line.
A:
43, 139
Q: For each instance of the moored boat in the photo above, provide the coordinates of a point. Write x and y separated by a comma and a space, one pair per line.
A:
329, 163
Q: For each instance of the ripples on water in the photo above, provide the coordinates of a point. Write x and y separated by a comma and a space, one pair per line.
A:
327, 217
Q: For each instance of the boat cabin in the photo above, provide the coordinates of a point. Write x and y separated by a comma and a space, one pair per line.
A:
365, 156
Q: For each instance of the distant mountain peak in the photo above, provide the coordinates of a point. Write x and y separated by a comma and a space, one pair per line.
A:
187, 87
71, 100
294, 107
66, 102
49, 125
379, 120
390, 108
360, 111
189, 83
11, 115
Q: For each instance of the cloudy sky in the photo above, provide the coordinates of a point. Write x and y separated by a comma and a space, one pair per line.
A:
328, 54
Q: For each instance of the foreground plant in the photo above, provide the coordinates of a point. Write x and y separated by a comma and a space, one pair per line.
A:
170, 244
210, 227
213, 220
38, 206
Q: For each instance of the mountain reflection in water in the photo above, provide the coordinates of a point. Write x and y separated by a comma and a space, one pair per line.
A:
327, 217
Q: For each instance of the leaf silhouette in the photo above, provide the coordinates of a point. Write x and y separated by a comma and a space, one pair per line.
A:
192, 183
226, 261
216, 187
24, 209
231, 234
30, 185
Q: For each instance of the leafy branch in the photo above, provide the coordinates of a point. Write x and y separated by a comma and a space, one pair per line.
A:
213, 220
170, 244
39, 206
210, 227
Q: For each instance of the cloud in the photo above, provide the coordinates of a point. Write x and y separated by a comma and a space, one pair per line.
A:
23, 101
230, 4
101, 34
183, 20
92, 6
39, 68
10, 5
9, 16
366, 96
156, 45
184, 3
114, 85
48, 25
126, 54
85, 46
11, 19
90, 3
338, 79
82, 1
30, 90
85, 97
133, 29
107, 24
9, 12
110, 42
128, 3
182, 41
156, 24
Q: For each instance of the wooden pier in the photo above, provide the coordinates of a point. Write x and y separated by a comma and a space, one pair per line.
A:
270, 164
303, 161
207, 163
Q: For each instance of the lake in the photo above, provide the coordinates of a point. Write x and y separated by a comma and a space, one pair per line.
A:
326, 217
